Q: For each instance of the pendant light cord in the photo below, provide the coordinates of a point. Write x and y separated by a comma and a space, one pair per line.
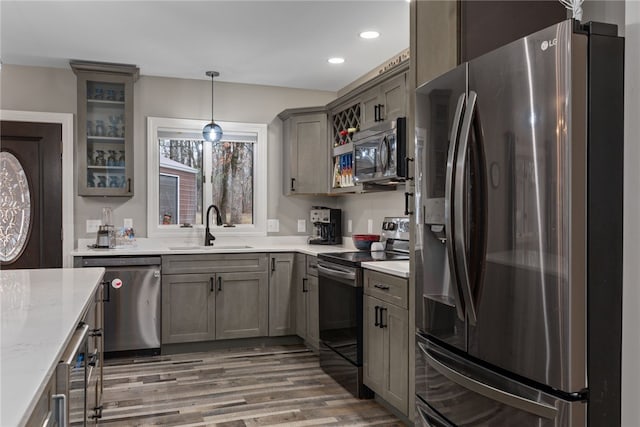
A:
211, 98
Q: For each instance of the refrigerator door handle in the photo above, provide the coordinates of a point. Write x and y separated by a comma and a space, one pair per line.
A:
459, 195
448, 196
536, 408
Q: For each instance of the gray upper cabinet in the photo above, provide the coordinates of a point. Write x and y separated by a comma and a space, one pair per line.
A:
282, 300
305, 151
386, 101
105, 128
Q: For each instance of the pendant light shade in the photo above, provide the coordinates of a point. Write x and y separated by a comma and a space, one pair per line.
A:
212, 132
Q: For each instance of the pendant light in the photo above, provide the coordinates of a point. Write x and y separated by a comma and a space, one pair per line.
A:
212, 132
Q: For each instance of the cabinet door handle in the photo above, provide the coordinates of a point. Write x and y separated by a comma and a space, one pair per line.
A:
406, 204
128, 185
211, 284
304, 287
107, 287
377, 322
219, 283
380, 107
383, 287
375, 113
273, 265
293, 184
406, 168
382, 325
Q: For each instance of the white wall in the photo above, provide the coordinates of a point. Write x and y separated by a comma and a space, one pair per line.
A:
631, 274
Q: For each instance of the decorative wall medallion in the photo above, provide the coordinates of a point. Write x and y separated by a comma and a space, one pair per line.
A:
15, 207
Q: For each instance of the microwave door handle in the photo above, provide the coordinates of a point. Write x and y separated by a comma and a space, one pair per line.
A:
448, 207
384, 154
460, 238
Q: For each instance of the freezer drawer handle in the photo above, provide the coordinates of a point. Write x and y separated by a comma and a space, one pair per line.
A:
429, 418
535, 408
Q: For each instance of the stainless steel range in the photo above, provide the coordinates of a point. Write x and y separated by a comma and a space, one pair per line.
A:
341, 302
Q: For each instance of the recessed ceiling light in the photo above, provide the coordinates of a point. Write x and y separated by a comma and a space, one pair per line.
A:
369, 34
336, 60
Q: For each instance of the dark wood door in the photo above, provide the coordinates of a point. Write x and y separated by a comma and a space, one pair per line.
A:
38, 148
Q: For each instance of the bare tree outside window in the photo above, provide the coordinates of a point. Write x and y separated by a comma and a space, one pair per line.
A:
232, 175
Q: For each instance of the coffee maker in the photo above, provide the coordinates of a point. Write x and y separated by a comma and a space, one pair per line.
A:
327, 226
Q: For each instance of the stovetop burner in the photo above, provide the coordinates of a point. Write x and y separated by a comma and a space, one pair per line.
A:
355, 258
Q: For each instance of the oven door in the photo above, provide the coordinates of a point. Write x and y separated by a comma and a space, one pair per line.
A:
340, 310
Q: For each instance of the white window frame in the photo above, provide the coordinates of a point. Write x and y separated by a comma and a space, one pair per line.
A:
258, 228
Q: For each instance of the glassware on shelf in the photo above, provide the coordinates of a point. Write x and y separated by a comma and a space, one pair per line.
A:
112, 159
102, 181
100, 129
121, 96
90, 130
114, 182
121, 158
100, 160
110, 95
98, 93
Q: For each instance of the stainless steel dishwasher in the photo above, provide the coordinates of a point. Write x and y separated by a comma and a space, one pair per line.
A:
132, 303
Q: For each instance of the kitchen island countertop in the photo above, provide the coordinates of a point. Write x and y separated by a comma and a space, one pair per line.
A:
40, 310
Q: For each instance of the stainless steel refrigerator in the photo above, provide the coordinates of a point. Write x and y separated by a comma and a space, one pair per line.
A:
519, 234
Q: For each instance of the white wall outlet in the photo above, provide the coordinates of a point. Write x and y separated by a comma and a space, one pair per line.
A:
349, 226
273, 225
128, 223
302, 225
93, 225
369, 226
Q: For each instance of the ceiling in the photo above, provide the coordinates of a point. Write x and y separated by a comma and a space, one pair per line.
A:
277, 43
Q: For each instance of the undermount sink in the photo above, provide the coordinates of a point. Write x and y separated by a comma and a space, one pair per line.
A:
201, 247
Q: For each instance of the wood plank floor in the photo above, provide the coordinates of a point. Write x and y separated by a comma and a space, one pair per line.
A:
263, 386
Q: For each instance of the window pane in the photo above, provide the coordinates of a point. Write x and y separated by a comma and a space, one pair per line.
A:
233, 181
169, 199
181, 159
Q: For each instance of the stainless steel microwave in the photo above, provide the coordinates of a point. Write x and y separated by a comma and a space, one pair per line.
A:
380, 153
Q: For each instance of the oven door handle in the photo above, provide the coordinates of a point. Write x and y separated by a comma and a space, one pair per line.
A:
79, 336
333, 272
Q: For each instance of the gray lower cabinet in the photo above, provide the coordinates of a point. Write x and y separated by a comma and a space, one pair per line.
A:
386, 339
242, 308
307, 300
188, 308
209, 297
282, 293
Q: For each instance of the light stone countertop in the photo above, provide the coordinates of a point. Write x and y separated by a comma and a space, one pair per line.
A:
174, 246
395, 268
40, 310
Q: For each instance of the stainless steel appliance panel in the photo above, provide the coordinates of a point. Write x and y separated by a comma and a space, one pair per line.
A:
132, 313
439, 109
530, 301
452, 390
70, 400
380, 153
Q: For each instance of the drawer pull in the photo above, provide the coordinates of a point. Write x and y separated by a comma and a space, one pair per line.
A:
383, 287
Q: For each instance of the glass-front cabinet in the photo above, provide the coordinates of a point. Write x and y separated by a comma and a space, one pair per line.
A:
105, 128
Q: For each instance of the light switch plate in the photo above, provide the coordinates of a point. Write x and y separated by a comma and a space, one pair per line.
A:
93, 225
349, 226
369, 226
128, 223
302, 226
273, 225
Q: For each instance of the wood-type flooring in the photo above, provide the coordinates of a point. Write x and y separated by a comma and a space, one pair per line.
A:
262, 386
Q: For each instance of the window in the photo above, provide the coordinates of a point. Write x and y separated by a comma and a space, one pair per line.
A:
187, 174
